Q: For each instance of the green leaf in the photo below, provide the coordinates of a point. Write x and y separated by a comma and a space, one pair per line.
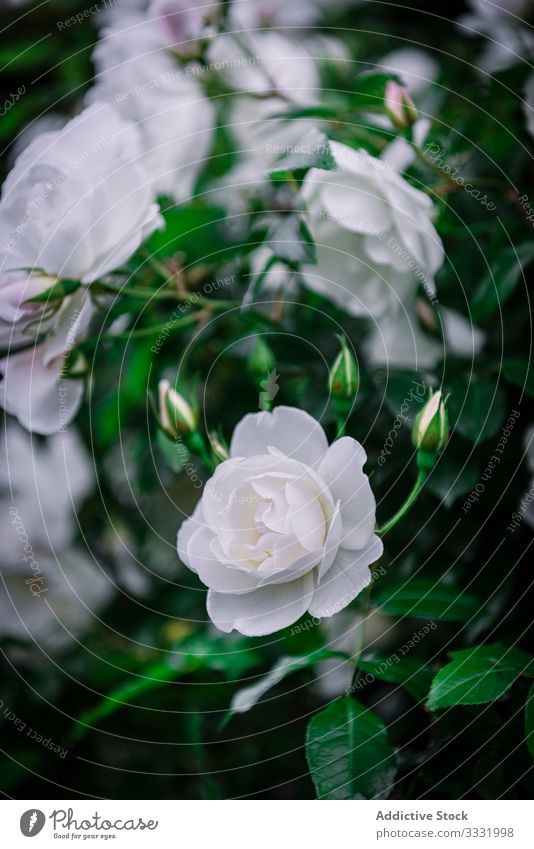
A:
413, 675
428, 600
369, 90
291, 240
477, 675
453, 476
246, 698
501, 280
349, 753
60, 289
195, 231
173, 451
313, 152
520, 372
216, 654
476, 410
529, 721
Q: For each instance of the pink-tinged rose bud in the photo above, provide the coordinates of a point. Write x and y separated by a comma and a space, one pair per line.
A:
399, 106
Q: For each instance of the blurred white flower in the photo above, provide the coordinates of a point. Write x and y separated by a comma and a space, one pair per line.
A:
37, 387
276, 14
374, 237
285, 526
399, 341
139, 75
528, 104
46, 481
184, 24
417, 69
76, 203
270, 63
276, 66
21, 320
59, 606
508, 40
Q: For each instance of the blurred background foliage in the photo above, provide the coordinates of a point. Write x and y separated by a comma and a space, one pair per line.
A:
172, 740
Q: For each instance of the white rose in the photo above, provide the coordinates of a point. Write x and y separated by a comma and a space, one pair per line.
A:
144, 82
76, 203
36, 387
285, 526
375, 240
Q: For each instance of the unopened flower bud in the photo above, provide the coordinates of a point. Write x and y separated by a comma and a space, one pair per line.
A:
261, 361
177, 415
344, 377
431, 428
219, 447
399, 105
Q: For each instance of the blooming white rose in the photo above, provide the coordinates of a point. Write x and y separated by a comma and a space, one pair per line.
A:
138, 74
375, 240
285, 526
37, 388
77, 204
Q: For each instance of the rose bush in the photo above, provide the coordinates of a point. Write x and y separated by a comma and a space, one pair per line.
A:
285, 526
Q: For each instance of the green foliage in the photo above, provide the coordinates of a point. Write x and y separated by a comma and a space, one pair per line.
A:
427, 599
349, 753
477, 675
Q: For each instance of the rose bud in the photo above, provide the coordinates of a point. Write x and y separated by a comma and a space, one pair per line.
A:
431, 429
219, 447
177, 415
344, 377
399, 106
